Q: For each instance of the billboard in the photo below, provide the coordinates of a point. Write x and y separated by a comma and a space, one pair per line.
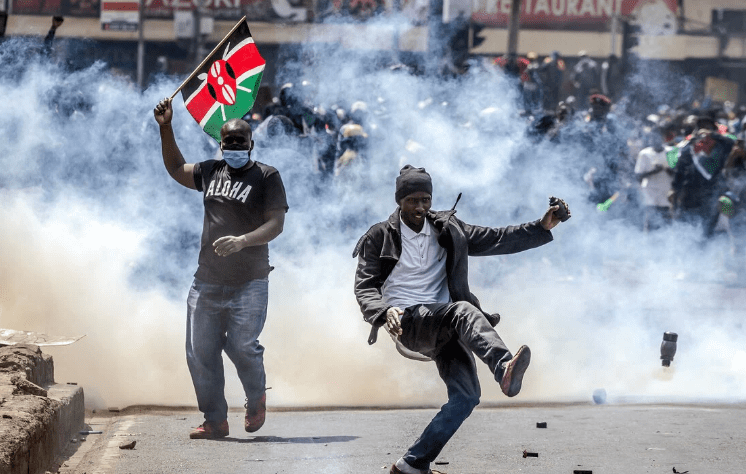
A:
570, 14
120, 15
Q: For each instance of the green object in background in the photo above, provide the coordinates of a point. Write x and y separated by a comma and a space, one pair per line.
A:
672, 156
726, 206
604, 206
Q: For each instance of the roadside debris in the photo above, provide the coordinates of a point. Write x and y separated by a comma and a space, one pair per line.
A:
541, 424
90, 432
679, 472
581, 471
130, 445
11, 337
526, 454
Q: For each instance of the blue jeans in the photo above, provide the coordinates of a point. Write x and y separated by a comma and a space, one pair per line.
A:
451, 334
225, 318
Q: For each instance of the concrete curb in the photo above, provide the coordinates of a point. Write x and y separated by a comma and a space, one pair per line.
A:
36, 424
69, 417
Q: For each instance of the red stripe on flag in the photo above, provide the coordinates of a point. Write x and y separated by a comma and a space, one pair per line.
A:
120, 6
243, 60
200, 104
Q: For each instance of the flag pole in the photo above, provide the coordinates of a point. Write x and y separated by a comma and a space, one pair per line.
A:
208, 57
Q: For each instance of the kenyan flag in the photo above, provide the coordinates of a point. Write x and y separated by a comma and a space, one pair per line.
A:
226, 84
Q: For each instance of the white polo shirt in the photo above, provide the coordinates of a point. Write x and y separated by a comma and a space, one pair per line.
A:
420, 275
654, 189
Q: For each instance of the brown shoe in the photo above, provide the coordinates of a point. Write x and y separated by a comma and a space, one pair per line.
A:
210, 430
396, 470
255, 413
514, 370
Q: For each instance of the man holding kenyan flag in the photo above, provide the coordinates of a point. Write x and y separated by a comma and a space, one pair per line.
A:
245, 208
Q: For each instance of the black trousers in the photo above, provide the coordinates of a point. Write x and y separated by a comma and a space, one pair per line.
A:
451, 334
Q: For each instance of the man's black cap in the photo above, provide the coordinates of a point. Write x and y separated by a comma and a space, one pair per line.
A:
412, 180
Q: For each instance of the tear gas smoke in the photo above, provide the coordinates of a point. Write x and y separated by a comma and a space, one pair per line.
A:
98, 240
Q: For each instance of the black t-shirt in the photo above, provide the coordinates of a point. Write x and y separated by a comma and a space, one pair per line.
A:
235, 202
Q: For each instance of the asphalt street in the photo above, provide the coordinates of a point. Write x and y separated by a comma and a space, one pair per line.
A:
608, 439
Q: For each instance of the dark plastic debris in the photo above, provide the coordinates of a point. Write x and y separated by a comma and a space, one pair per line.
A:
526, 454
668, 348
541, 424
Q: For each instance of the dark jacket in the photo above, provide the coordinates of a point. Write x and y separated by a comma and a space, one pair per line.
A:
378, 251
693, 189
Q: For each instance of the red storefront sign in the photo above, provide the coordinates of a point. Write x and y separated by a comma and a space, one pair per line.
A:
558, 13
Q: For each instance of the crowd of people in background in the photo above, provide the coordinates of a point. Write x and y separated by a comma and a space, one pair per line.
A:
677, 163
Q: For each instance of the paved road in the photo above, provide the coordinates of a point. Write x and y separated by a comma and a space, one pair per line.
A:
599, 438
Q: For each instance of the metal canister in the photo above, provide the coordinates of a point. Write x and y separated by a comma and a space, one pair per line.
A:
668, 348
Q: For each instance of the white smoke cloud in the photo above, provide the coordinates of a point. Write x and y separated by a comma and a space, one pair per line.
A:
98, 240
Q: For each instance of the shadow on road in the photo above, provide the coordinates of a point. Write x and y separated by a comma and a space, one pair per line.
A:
298, 440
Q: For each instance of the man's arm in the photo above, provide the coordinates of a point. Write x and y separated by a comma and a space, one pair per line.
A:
643, 166
49, 39
657, 168
484, 241
272, 227
368, 283
173, 160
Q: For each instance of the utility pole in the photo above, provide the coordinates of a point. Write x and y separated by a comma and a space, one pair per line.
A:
198, 42
435, 29
397, 30
4, 16
140, 44
681, 18
614, 32
514, 26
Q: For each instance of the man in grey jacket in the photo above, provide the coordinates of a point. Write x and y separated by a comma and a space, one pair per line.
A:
412, 277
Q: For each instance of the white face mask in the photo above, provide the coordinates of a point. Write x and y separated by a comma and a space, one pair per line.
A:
236, 159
